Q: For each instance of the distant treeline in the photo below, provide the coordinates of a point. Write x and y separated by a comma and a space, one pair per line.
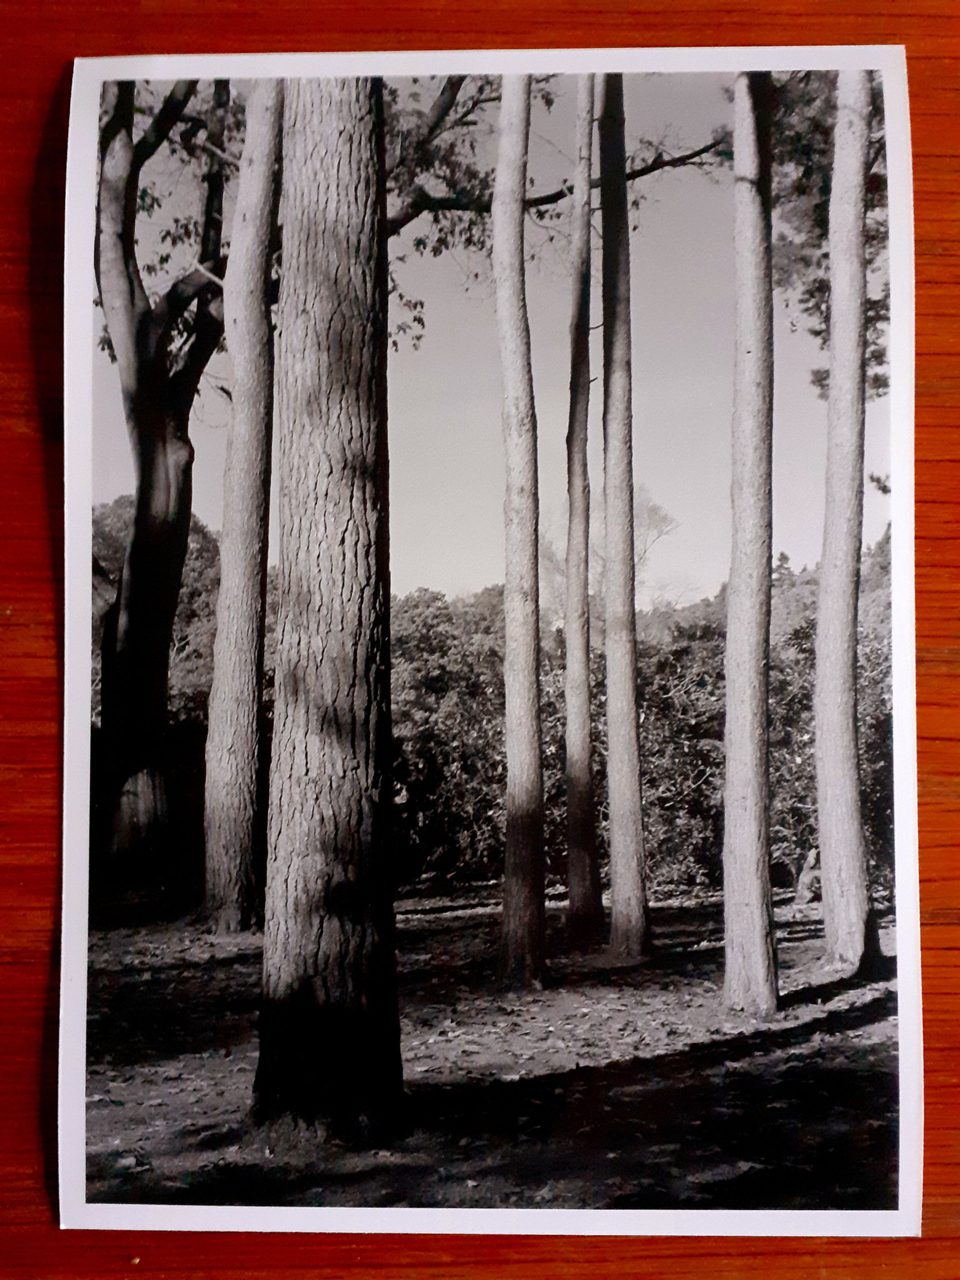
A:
449, 766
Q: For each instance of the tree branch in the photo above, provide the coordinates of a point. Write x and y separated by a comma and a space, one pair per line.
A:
432, 122
207, 333
659, 161
208, 323
214, 180
119, 283
876, 153
481, 100
419, 200
160, 126
209, 275
221, 155
183, 293
442, 106
116, 128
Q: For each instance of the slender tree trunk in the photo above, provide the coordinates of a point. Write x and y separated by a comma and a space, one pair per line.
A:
585, 910
629, 927
750, 976
233, 735
842, 848
329, 1027
522, 941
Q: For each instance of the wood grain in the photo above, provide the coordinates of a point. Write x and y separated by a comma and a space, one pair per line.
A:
38, 42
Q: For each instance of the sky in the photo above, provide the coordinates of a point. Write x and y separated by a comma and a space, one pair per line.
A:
446, 457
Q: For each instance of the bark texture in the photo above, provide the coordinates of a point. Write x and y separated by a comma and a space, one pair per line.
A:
329, 1028
522, 937
158, 389
231, 809
585, 910
139, 628
750, 974
629, 928
842, 849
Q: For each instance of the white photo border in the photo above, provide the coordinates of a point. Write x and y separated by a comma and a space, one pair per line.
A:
75, 1211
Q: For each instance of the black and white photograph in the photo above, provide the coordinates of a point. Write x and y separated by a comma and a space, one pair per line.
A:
490, 746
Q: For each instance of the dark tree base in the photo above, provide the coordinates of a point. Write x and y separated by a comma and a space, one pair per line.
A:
585, 935
334, 1067
874, 966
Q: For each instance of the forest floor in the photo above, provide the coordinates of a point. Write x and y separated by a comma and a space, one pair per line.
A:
617, 1086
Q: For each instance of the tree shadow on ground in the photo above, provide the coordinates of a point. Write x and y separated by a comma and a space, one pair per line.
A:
787, 1116
800, 1117
182, 999
884, 970
174, 1005
681, 1106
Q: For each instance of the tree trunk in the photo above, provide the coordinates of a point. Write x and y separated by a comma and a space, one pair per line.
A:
231, 815
329, 1027
139, 629
158, 394
750, 975
522, 941
585, 909
842, 847
139, 626
629, 928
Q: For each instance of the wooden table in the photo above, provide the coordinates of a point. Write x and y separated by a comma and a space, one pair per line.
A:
39, 40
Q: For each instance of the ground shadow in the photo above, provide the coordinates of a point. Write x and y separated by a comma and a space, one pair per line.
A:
178, 1001
173, 1006
803, 1117
718, 1112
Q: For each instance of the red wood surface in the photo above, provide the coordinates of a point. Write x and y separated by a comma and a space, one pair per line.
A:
38, 42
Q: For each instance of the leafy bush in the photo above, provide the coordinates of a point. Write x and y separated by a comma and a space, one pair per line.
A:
681, 734
450, 771
448, 709
191, 654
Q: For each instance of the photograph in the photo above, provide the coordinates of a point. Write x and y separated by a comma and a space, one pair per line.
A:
490, 760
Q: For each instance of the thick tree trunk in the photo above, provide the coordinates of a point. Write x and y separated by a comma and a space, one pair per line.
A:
629, 928
750, 975
521, 957
842, 848
585, 910
233, 763
329, 1027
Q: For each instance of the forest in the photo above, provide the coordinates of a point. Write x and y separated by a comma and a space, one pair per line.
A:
551, 892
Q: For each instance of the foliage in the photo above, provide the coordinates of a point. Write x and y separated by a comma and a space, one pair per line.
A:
793, 789
449, 764
793, 780
803, 160
191, 654
448, 704
171, 195
875, 703
448, 707
447, 159
682, 716
440, 145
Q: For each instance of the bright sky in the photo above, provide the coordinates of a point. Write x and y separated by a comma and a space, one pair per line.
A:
446, 456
